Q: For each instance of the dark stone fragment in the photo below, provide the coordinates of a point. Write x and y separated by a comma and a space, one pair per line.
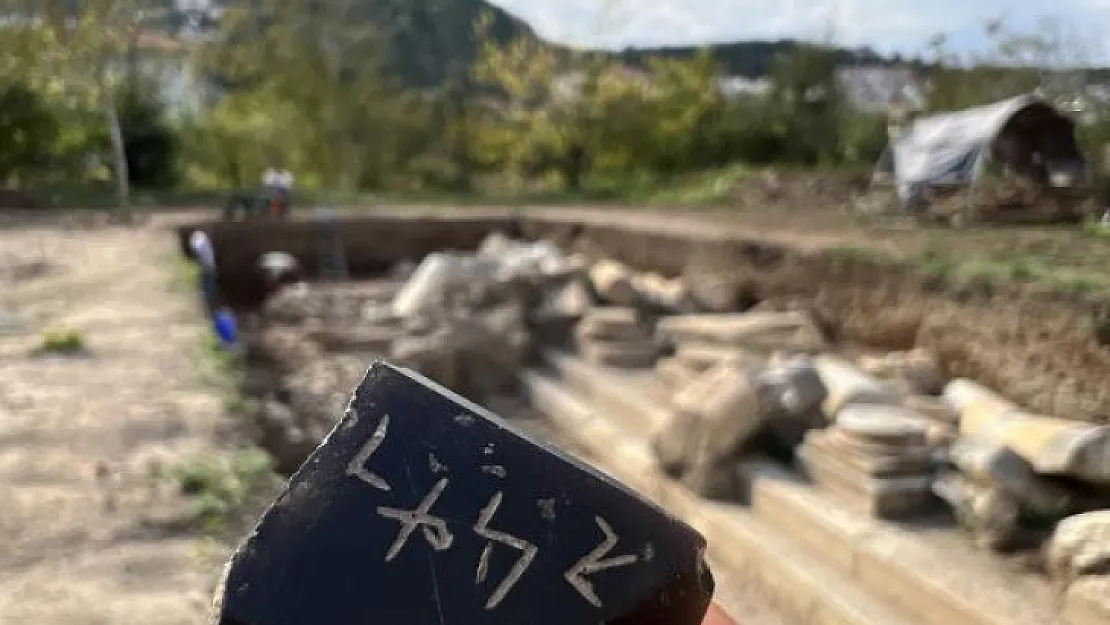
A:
424, 509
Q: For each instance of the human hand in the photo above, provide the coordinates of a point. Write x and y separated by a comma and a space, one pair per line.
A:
717, 616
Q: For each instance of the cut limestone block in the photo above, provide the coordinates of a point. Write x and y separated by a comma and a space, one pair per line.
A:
908, 462
612, 323
764, 331
853, 444
1053, 446
988, 463
673, 444
625, 355
881, 497
702, 356
1080, 546
612, 281
847, 385
918, 369
1088, 601
726, 403
936, 409
878, 424
673, 374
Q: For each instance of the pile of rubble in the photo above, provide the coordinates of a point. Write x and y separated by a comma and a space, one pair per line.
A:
885, 433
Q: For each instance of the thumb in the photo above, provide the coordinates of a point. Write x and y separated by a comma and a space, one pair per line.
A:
717, 616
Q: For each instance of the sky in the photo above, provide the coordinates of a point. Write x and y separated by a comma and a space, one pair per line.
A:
886, 25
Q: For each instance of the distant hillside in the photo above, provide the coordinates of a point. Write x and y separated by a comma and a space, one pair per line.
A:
751, 59
431, 38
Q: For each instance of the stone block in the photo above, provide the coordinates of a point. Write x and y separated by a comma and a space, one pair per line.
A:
1054, 446
881, 497
612, 281
1080, 546
1087, 602
702, 356
988, 463
621, 355
847, 384
612, 323
764, 331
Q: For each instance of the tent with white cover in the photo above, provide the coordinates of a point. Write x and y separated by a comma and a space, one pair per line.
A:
1026, 135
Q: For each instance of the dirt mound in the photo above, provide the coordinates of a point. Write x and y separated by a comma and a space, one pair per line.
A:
796, 189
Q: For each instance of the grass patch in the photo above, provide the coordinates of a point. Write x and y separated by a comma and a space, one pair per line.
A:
711, 188
62, 341
1094, 228
1021, 269
856, 253
184, 275
224, 487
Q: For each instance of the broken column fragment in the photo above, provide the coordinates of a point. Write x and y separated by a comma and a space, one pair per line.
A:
421, 507
1053, 446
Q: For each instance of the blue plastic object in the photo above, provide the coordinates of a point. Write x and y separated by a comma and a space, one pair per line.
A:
226, 326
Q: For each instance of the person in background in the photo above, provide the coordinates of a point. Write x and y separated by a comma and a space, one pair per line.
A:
271, 183
205, 256
283, 187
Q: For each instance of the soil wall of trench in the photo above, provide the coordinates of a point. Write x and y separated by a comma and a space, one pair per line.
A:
1042, 349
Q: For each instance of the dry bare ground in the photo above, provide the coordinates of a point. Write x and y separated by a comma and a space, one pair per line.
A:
90, 533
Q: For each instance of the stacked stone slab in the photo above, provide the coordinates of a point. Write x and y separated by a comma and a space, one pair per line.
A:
764, 332
616, 336
875, 458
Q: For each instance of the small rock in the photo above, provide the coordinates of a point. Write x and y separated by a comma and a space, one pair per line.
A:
1080, 546
612, 281
989, 514
918, 369
989, 464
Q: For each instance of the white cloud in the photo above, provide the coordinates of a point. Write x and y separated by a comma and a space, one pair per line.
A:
889, 25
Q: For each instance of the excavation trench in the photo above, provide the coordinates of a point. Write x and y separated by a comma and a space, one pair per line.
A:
1040, 349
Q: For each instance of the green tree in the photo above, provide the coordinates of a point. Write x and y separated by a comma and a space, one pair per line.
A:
809, 102
320, 69
29, 132
150, 143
